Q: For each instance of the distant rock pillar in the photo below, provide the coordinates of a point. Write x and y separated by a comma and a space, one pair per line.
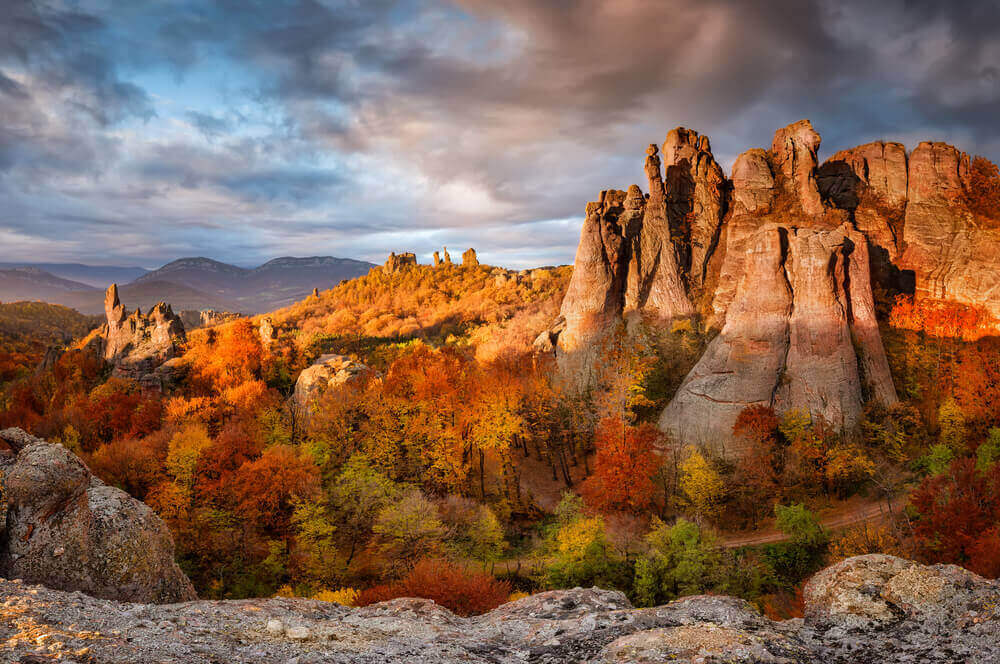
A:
469, 258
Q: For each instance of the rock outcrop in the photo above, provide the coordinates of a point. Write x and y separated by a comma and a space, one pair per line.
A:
66, 529
398, 262
696, 199
329, 371
193, 319
469, 258
136, 344
800, 335
872, 218
866, 610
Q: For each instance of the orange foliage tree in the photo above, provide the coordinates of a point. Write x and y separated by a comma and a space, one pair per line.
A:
624, 466
959, 512
464, 592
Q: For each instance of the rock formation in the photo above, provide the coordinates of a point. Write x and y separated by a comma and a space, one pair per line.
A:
136, 344
193, 319
66, 529
792, 251
469, 258
800, 335
268, 334
437, 259
398, 262
447, 257
864, 610
696, 198
329, 371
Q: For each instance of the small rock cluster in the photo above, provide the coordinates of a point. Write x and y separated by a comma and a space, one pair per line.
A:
865, 610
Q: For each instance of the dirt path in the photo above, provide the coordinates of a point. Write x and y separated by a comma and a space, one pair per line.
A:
835, 519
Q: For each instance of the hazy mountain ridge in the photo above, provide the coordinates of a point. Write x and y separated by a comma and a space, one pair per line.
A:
186, 283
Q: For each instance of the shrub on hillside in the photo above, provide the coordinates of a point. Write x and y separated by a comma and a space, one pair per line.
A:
983, 190
463, 592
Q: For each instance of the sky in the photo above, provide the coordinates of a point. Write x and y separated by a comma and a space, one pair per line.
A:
134, 132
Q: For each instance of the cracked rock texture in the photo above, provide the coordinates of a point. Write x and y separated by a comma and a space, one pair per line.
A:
66, 529
864, 610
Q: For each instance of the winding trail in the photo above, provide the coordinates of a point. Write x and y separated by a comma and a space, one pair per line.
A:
836, 519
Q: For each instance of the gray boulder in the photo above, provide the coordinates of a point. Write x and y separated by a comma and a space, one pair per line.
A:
65, 529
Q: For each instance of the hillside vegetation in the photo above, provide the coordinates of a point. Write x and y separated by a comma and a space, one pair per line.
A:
461, 469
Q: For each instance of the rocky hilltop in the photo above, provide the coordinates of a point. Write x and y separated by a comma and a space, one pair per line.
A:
781, 258
870, 609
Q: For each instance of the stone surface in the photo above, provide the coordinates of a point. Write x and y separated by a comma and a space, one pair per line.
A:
794, 160
397, 262
469, 258
329, 371
65, 529
136, 344
655, 286
871, 180
696, 199
951, 256
789, 340
925, 614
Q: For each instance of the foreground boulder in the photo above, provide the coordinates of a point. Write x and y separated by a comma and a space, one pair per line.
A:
905, 613
66, 529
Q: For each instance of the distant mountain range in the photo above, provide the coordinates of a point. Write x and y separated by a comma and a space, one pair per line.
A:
187, 283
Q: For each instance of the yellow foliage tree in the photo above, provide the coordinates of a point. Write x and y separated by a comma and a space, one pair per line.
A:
701, 484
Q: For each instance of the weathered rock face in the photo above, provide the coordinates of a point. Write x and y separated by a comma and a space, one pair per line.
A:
268, 333
870, 180
397, 262
137, 344
870, 216
329, 371
655, 285
951, 256
787, 341
873, 609
469, 258
66, 529
696, 199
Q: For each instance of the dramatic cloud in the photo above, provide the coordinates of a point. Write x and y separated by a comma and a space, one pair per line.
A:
247, 129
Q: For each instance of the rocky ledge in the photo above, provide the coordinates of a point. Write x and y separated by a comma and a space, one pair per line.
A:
872, 608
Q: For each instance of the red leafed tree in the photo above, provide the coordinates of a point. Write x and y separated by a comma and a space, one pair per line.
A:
268, 487
958, 512
983, 190
462, 591
758, 471
624, 467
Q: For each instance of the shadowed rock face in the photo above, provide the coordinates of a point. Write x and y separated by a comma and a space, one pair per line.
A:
65, 529
865, 610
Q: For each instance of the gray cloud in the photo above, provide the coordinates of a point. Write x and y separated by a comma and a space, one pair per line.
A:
248, 128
